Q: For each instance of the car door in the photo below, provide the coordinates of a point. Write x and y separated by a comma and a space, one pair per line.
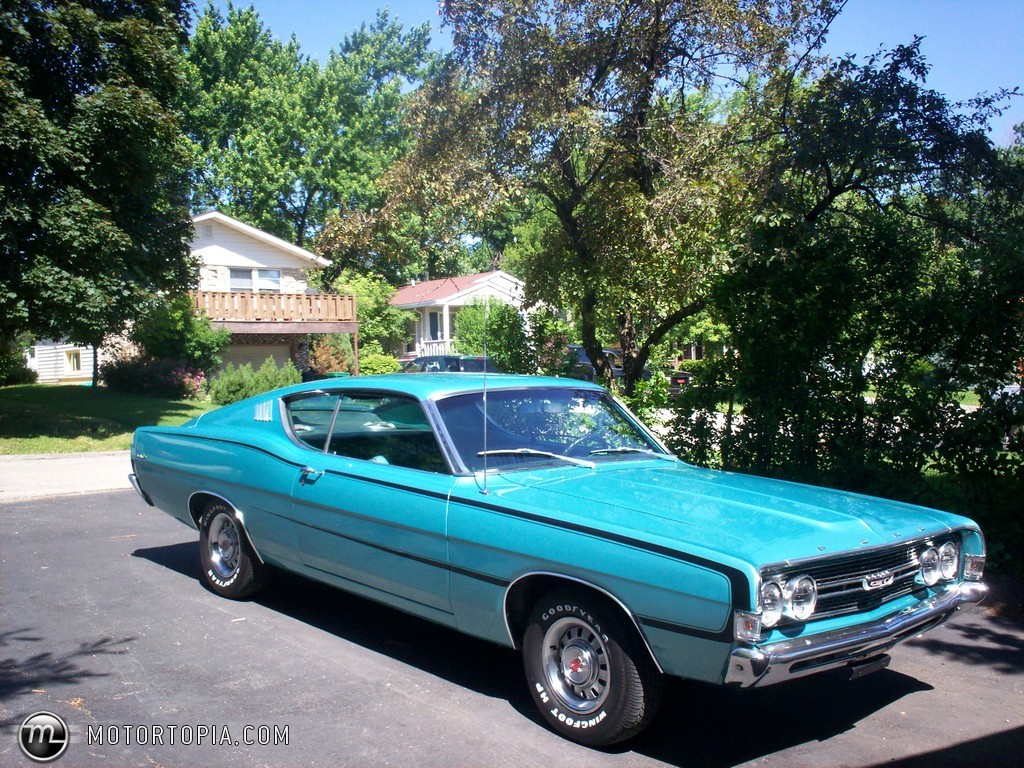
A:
371, 509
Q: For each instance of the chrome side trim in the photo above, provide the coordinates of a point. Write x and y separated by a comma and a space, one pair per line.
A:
238, 516
789, 659
589, 585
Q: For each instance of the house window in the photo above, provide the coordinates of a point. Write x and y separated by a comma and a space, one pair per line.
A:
256, 280
435, 326
268, 280
73, 361
241, 280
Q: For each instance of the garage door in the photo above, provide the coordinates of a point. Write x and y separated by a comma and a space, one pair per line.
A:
255, 354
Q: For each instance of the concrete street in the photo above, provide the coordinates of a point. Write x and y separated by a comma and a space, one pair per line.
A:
59, 474
103, 621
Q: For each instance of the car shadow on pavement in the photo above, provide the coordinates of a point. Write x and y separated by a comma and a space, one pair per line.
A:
438, 650
755, 723
992, 751
182, 558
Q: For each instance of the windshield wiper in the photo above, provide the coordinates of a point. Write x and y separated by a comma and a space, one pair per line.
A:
645, 451
532, 452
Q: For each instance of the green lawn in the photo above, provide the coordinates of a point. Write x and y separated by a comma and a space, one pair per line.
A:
39, 418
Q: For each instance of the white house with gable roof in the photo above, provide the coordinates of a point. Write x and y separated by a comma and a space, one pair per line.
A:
437, 302
252, 283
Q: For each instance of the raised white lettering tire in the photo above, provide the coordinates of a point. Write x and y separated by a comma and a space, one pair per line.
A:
591, 677
229, 566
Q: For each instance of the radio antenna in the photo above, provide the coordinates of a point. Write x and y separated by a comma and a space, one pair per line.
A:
487, 312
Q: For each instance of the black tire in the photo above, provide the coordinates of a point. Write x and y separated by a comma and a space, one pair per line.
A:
230, 568
591, 677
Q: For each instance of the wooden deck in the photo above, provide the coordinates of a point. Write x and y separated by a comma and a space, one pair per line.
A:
237, 306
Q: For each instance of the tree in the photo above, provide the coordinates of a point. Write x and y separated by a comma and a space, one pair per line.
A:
175, 331
93, 166
285, 141
886, 258
379, 320
596, 108
498, 330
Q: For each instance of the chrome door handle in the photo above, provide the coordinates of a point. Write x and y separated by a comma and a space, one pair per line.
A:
310, 475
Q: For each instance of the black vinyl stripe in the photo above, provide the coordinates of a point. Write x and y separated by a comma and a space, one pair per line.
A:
737, 580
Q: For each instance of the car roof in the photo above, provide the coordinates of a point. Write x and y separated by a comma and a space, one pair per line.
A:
431, 385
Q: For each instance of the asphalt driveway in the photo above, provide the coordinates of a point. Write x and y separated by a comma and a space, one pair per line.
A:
103, 621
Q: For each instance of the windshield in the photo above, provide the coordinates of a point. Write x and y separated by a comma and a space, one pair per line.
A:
532, 426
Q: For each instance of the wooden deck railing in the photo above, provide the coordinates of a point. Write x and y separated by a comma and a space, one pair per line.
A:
275, 307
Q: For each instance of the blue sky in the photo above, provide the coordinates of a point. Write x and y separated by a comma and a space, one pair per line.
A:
973, 46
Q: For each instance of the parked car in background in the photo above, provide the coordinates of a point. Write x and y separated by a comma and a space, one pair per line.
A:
583, 369
537, 513
677, 381
450, 364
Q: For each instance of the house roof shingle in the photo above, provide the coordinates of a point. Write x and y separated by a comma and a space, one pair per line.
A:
438, 291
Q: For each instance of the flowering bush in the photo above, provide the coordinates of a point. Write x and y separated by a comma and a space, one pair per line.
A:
158, 378
190, 383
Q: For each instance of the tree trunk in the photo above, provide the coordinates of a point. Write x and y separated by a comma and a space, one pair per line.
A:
96, 364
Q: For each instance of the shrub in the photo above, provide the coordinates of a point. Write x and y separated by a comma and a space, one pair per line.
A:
549, 342
497, 330
234, 384
157, 378
331, 353
174, 330
269, 376
12, 363
372, 361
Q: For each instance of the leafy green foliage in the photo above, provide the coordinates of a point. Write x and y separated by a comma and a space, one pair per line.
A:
570, 114
283, 140
880, 280
90, 225
373, 361
12, 362
155, 378
174, 330
379, 321
234, 384
550, 336
496, 329
331, 353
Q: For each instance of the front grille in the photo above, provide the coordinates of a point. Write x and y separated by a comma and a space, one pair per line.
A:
841, 579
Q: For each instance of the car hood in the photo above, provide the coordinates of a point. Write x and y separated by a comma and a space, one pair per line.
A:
754, 519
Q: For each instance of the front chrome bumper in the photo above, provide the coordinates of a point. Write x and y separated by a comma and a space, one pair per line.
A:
789, 659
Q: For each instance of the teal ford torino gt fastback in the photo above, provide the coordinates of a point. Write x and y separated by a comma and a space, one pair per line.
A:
538, 513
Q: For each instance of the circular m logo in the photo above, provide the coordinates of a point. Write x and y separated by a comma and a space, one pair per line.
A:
43, 737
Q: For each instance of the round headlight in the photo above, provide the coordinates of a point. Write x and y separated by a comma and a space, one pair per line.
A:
949, 561
771, 603
930, 566
799, 597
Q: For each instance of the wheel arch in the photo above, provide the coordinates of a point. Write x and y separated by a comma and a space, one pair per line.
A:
526, 590
200, 500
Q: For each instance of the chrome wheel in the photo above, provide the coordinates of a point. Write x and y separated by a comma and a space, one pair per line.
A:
224, 545
576, 666
591, 678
